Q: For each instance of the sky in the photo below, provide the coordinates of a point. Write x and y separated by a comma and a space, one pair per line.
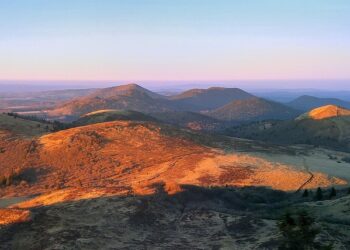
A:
174, 40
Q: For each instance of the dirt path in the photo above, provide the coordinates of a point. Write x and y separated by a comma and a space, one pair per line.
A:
310, 178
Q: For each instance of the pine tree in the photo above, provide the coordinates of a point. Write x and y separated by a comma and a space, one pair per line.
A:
333, 193
319, 195
306, 193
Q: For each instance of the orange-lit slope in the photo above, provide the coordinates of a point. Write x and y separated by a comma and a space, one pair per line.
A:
324, 112
131, 157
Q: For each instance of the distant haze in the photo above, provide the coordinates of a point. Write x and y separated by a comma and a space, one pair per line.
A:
263, 86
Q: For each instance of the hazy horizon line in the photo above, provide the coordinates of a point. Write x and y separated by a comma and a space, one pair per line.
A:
172, 80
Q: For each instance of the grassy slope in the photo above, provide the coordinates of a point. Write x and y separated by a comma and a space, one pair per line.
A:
333, 133
112, 115
253, 109
20, 126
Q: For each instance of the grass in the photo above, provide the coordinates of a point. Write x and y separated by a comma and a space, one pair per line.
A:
21, 126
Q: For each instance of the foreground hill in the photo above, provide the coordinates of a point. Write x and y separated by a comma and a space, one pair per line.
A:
252, 109
125, 97
127, 184
327, 126
305, 103
207, 99
133, 156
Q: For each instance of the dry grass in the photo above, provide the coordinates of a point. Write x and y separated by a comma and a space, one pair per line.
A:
11, 216
328, 111
132, 157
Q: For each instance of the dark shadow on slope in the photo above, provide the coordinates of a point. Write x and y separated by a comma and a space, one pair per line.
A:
195, 218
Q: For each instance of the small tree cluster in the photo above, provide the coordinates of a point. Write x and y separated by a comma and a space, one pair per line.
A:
305, 193
319, 194
332, 193
299, 232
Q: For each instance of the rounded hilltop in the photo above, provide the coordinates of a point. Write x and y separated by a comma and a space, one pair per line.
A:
325, 112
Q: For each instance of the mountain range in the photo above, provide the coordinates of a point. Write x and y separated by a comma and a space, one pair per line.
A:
306, 102
225, 104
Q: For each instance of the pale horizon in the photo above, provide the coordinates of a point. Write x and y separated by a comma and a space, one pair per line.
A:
156, 85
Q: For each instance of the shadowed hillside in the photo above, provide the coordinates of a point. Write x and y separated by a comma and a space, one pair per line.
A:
327, 126
253, 109
196, 217
207, 99
191, 120
108, 115
305, 102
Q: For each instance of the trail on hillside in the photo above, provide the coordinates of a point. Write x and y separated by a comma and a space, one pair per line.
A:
310, 178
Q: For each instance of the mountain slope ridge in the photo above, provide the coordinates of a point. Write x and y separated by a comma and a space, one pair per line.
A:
253, 109
307, 102
211, 98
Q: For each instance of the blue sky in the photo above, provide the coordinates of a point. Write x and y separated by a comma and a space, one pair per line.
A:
207, 40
